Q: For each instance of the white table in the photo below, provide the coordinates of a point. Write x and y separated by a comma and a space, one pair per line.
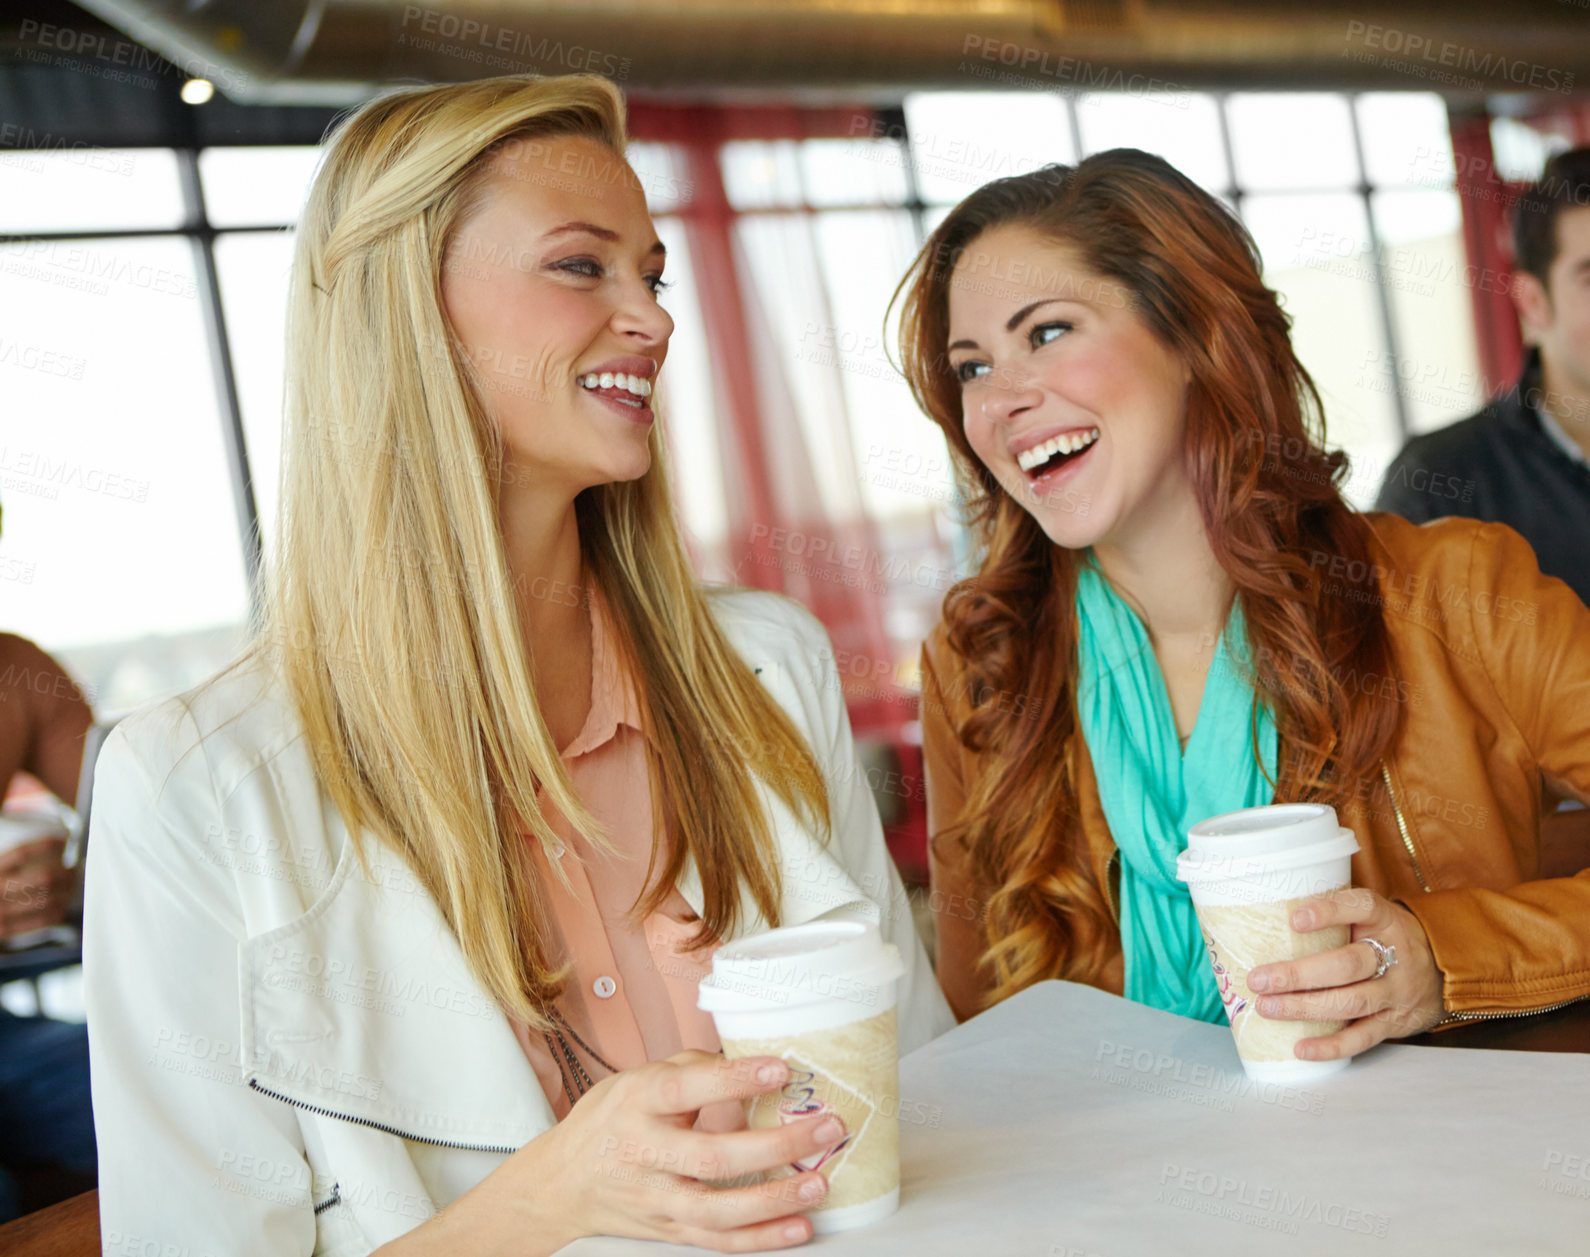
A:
1070, 1123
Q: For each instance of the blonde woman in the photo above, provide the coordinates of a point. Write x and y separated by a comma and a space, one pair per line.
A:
407, 909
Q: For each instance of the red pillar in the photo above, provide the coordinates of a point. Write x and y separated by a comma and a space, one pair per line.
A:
709, 226
852, 612
803, 554
1486, 201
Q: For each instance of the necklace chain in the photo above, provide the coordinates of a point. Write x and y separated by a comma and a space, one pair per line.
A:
568, 1063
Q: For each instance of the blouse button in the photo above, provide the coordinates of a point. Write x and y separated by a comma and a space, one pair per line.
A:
604, 987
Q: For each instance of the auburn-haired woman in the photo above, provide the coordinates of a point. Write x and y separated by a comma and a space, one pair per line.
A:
408, 909
1177, 615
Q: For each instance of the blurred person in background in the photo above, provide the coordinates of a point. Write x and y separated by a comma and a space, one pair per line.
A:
1526, 456
45, 1118
451, 846
1176, 614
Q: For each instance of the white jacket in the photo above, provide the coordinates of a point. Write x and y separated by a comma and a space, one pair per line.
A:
289, 1057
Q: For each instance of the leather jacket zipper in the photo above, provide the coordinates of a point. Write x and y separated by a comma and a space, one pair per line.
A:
1407, 841
365, 1121
1522, 1012
1402, 827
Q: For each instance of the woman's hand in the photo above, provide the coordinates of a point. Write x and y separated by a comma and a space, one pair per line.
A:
626, 1161
1339, 985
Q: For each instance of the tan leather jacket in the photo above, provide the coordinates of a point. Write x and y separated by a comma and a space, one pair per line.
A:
1494, 662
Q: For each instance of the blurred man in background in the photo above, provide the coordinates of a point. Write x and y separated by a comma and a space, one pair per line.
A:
45, 1119
1527, 455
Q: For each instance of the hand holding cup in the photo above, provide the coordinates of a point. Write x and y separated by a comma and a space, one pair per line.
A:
628, 1161
1340, 984
1247, 872
821, 997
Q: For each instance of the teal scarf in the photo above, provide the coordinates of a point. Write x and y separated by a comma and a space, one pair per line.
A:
1153, 793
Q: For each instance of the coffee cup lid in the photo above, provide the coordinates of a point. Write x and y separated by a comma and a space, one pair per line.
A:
1265, 830
798, 965
1215, 865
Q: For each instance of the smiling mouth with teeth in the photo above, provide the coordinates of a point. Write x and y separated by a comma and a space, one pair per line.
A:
632, 390
1054, 453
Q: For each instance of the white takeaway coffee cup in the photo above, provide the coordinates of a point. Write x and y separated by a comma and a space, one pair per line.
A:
822, 997
1246, 872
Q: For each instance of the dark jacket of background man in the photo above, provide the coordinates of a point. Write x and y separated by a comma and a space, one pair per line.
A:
1524, 460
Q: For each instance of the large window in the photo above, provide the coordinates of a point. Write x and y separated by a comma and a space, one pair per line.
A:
1350, 199
827, 228
122, 525
121, 549
122, 540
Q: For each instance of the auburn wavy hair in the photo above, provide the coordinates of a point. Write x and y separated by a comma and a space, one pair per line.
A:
1270, 496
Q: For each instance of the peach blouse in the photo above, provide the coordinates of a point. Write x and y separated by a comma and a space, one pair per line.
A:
631, 995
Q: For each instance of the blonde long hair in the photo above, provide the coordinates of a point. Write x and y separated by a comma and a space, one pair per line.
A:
389, 608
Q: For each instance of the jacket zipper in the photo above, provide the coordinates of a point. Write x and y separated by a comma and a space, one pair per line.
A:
1526, 1012
1402, 827
365, 1121
1407, 841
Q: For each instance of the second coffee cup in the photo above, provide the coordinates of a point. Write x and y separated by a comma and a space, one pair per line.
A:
822, 997
1247, 871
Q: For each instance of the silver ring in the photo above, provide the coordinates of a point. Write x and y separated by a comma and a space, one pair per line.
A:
1386, 956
